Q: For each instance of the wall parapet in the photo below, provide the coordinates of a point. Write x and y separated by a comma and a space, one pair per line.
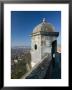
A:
39, 70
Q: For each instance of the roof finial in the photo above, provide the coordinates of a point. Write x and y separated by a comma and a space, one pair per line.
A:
44, 19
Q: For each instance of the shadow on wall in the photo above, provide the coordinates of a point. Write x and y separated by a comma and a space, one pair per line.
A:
47, 69
54, 69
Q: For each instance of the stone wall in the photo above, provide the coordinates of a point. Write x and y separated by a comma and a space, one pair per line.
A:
47, 69
39, 71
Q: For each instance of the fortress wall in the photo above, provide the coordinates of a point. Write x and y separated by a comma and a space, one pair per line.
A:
39, 71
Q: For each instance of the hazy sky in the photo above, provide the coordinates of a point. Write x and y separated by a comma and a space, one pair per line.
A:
23, 23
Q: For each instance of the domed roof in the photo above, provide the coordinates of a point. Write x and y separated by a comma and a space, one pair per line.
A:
44, 26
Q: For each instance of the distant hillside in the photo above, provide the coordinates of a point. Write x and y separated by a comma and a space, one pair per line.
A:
23, 57
17, 47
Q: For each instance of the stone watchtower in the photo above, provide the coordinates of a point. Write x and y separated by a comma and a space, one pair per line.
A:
43, 42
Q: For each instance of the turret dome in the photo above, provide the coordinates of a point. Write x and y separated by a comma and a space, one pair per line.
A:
44, 26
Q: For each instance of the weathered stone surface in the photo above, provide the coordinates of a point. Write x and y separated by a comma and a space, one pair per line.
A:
54, 69
43, 36
47, 69
39, 71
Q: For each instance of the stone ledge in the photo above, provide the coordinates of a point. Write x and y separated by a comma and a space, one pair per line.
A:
47, 69
39, 70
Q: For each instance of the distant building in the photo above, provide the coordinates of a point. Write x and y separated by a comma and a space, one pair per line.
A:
15, 61
44, 41
19, 58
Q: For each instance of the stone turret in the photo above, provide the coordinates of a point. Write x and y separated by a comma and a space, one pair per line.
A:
41, 43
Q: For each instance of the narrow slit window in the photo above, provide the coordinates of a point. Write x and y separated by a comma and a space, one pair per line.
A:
35, 46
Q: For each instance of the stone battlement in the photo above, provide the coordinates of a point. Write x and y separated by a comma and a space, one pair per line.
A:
39, 70
47, 69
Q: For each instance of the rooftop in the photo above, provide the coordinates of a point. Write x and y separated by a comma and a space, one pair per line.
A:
44, 26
